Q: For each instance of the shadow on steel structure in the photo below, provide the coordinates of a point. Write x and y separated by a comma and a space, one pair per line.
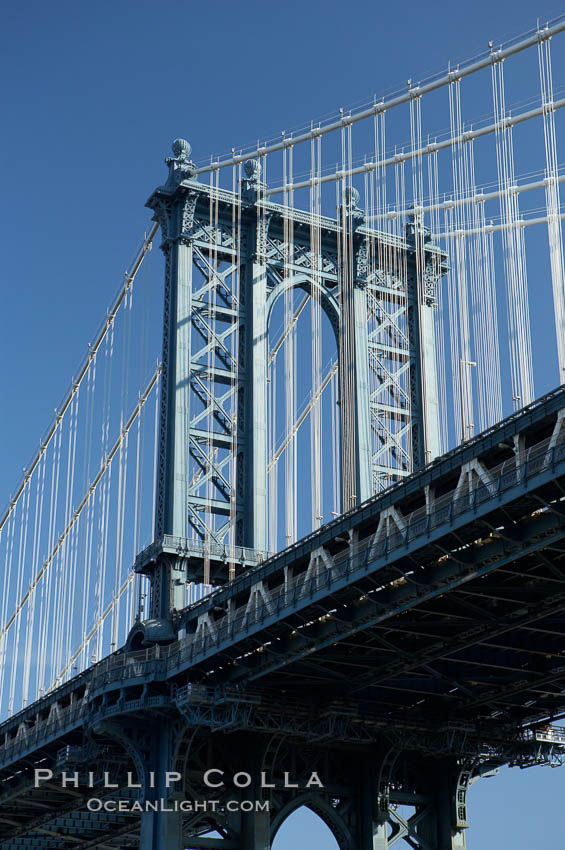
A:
371, 671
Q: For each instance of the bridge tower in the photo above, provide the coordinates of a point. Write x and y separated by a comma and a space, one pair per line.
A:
227, 263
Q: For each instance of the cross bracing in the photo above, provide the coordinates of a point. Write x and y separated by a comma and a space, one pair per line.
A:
226, 366
341, 223
319, 354
463, 652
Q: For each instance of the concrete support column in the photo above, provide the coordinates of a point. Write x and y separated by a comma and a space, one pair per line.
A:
451, 835
161, 830
380, 836
251, 829
372, 830
438, 832
440, 827
255, 831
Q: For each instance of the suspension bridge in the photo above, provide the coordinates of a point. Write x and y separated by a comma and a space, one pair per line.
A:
311, 553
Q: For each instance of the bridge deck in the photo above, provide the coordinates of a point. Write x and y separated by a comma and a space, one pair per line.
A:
432, 616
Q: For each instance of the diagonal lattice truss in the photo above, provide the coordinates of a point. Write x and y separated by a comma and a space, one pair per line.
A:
226, 246
350, 250
212, 429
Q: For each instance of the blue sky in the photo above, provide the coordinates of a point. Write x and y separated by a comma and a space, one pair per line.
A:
93, 94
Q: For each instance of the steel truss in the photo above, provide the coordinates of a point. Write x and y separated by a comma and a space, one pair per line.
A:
228, 260
456, 580
398, 653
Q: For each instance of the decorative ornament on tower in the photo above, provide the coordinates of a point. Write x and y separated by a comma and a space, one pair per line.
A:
252, 180
351, 198
416, 226
180, 165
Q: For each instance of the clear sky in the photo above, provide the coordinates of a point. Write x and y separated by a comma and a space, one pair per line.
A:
92, 96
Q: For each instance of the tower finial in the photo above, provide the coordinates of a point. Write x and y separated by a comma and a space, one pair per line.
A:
182, 149
253, 169
351, 199
180, 165
251, 183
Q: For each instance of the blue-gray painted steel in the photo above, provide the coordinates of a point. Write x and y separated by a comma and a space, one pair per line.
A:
214, 409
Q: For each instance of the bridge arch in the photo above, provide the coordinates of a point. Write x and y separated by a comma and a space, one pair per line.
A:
326, 812
303, 281
303, 392
182, 753
137, 750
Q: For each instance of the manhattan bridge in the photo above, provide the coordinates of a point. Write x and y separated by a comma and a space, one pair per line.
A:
316, 545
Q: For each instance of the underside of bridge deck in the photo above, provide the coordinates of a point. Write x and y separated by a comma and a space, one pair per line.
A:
371, 673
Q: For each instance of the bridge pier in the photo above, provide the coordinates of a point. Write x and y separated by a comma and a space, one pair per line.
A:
161, 829
372, 833
440, 816
451, 832
255, 831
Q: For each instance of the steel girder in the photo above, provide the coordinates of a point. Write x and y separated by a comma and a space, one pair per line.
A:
462, 628
525, 548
